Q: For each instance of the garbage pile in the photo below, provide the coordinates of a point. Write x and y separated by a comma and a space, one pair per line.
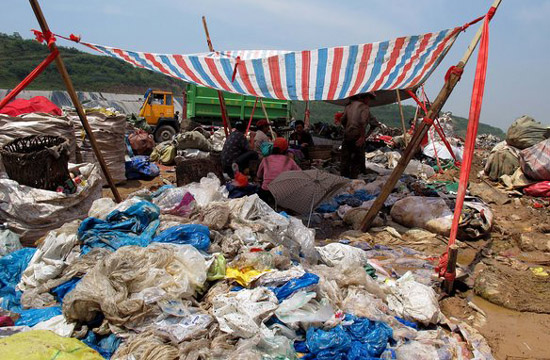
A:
521, 162
185, 272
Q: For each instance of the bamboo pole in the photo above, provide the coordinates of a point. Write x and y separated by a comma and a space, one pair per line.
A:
74, 97
267, 118
402, 117
419, 134
223, 107
306, 115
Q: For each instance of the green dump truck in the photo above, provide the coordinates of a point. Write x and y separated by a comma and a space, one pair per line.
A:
203, 106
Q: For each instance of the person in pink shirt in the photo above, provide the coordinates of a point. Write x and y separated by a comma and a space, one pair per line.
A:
274, 165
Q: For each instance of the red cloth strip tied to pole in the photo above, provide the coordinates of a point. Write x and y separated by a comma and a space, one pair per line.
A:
26, 81
473, 123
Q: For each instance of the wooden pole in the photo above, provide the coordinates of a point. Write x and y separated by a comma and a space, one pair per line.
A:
402, 117
223, 107
74, 97
267, 118
306, 116
421, 132
451, 268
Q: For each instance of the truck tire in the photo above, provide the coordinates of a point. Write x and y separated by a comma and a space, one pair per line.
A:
164, 133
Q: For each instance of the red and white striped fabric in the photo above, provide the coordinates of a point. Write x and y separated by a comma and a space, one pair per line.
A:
321, 74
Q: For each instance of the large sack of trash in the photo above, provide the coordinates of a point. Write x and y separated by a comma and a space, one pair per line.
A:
535, 161
526, 132
109, 129
432, 214
31, 212
38, 124
504, 160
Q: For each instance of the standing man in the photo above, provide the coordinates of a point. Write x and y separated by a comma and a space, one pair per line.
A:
355, 119
236, 150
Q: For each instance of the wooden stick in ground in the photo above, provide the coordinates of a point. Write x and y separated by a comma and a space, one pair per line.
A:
451, 268
273, 135
420, 133
74, 97
223, 107
402, 117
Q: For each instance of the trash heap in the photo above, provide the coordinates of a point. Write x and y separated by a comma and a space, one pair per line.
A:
522, 161
186, 273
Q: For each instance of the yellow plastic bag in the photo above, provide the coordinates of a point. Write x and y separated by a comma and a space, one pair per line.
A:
45, 345
243, 276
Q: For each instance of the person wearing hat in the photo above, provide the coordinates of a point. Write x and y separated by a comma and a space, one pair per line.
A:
355, 119
237, 150
274, 165
261, 135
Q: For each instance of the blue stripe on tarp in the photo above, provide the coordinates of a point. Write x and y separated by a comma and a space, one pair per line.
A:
408, 53
352, 59
290, 70
174, 69
228, 71
197, 65
142, 61
378, 61
322, 56
260, 77
418, 68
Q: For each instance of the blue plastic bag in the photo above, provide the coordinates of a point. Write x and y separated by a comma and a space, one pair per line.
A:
104, 345
139, 167
191, 234
373, 335
290, 287
13, 265
32, 317
63, 289
11, 269
330, 344
135, 226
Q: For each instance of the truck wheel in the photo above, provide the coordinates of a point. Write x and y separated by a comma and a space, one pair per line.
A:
164, 133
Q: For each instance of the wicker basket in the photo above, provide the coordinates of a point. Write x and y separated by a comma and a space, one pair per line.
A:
193, 170
39, 161
322, 152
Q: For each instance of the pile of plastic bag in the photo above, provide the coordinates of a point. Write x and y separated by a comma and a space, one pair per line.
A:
186, 272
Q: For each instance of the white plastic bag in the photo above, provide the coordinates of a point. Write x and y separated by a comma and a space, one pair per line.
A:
336, 254
209, 189
241, 313
429, 213
9, 242
413, 301
302, 308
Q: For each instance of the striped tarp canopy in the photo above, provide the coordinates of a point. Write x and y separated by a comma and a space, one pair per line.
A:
322, 74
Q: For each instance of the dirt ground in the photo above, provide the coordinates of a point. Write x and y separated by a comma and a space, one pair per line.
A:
501, 266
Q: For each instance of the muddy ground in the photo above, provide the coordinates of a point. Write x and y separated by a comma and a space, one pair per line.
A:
503, 298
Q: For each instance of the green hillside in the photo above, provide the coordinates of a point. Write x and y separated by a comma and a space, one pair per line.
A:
104, 74
388, 114
88, 72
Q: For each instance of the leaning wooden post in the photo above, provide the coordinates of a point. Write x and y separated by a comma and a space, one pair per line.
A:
223, 107
306, 115
74, 97
267, 118
402, 117
419, 134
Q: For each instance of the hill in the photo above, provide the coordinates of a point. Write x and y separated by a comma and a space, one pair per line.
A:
387, 114
88, 72
104, 74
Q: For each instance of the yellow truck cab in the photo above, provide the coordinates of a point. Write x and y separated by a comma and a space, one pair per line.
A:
158, 111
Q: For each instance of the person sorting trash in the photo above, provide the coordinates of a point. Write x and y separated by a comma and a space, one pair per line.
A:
261, 136
237, 150
274, 165
354, 120
302, 138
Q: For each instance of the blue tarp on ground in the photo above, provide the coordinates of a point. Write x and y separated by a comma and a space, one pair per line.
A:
135, 226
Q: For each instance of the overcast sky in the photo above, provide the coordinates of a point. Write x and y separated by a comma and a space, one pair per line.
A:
519, 46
